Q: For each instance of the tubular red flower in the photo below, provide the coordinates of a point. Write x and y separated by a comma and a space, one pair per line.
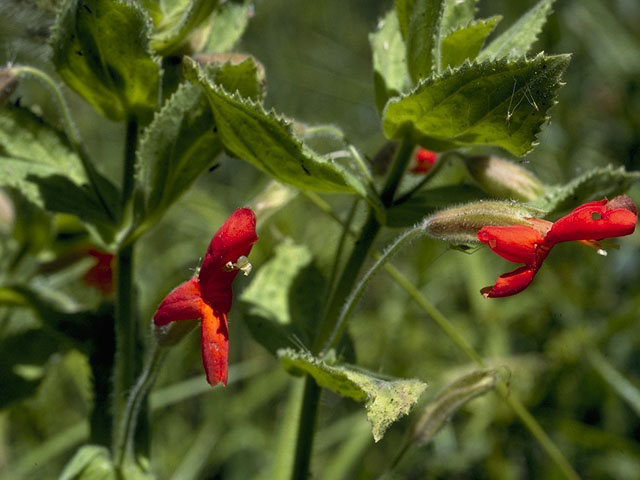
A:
100, 275
208, 295
530, 245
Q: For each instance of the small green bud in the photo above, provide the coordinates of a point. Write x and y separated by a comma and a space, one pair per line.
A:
171, 334
461, 224
505, 179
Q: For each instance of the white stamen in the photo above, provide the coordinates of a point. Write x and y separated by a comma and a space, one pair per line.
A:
242, 264
602, 252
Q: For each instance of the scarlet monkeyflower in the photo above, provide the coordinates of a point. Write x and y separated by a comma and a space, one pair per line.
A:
208, 294
425, 160
100, 275
530, 244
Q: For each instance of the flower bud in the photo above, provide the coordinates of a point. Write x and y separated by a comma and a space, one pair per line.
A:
170, 334
505, 179
8, 84
461, 224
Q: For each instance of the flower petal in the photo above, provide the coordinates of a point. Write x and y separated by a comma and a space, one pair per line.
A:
594, 221
510, 283
233, 240
215, 346
183, 303
516, 243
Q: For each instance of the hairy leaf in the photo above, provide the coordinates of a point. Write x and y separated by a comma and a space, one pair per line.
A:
501, 103
174, 30
228, 23
465, 43
37, 160
596, 184
457, 14
423, 39
386, 400
391, 76
267, 141
403, 10
517, 40
450, 400
100, 48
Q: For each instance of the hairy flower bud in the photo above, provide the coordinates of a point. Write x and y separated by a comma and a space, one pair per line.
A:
8, 84
461, 224
505, 179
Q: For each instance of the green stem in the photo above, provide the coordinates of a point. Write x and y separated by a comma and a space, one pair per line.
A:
125, 324
360, 252
125, 436
444, 158
71, 131
346, 230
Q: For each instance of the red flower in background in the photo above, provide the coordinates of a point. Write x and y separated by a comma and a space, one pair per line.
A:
530, 244
100, 275
208, 294
425, 160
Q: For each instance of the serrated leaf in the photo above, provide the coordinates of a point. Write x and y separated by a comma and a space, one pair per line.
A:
267, 141
181, 142
391, 76
428, 201
386, 400
423, 39
466, 42
518, 39
502, 103
37, 160
228, 23
175, 149
450, 400
100, 48
596, 184
175, 27
457, 13
90, 462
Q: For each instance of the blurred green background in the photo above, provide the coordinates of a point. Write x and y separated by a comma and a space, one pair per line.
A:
570, 342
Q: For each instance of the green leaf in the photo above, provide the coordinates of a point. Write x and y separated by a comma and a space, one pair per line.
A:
174, 29
450, 400
175, 149
457, 14
465, 42
237, 73
285, 298
596, 184
403, 10
228, 23
37, 160
391, 76
267, 141
90, 462
423, 39
181, 143
428, 201
518, 39
386, 400
100, 48
502, 103
31, 348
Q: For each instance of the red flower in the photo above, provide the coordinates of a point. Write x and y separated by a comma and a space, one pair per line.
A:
100, 275
530, 244
425, 159
208, 294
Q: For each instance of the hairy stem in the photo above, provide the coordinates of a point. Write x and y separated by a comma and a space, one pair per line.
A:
125, 324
